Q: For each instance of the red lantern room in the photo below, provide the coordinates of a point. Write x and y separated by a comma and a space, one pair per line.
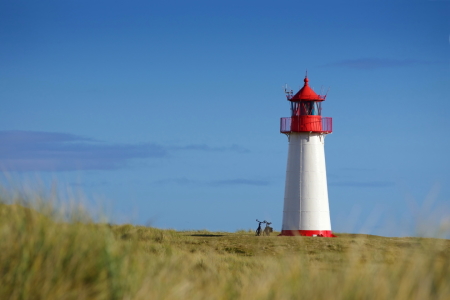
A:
306, 112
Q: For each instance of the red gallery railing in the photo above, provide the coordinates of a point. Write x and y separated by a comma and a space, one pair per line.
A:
306, 124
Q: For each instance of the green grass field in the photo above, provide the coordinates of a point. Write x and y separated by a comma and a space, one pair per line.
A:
49, 253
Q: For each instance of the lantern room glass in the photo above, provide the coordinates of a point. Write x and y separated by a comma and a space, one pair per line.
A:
306, 108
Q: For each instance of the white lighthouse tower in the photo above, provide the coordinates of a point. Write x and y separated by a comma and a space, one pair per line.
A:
306, 211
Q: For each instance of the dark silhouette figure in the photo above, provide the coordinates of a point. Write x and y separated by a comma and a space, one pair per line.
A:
258, 230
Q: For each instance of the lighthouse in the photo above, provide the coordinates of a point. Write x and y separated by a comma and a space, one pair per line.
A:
306, 210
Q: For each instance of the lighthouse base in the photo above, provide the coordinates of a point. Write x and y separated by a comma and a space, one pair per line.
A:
319, 233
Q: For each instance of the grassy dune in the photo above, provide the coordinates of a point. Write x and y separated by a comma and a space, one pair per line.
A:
45, 254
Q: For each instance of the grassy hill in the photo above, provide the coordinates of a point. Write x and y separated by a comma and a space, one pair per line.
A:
46, 254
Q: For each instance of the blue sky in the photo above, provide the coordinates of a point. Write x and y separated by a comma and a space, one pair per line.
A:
168, 111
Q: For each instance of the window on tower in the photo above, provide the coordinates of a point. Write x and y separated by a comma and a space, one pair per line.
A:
306, 108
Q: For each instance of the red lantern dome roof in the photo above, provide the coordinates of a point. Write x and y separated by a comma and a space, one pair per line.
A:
306, 93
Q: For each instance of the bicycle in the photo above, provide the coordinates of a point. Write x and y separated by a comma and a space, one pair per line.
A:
258, 230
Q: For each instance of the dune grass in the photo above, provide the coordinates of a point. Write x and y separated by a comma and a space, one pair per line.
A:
49, 253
